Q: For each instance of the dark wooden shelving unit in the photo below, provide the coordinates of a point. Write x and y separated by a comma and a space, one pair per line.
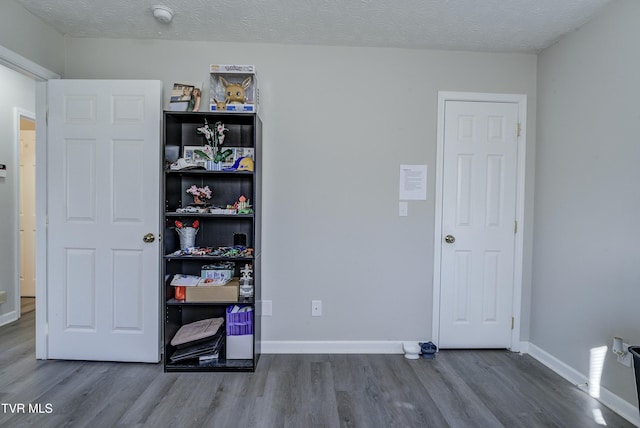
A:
216, 230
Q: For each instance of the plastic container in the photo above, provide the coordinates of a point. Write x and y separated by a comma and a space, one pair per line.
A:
218, 273
635, 352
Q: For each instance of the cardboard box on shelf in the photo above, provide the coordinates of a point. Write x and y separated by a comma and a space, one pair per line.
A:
213, 293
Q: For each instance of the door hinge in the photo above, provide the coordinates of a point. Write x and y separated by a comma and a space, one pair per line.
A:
515, 226
46, 329
513, 322
519, 129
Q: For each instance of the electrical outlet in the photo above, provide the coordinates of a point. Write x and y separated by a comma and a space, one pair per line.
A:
3, 296
625, 359
316, 308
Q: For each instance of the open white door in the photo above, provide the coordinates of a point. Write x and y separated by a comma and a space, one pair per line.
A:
478, 250
103, 188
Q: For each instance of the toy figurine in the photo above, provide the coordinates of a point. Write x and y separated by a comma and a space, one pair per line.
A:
246, 281
246, 271
243, 206
235, 92
221, 105
242, 203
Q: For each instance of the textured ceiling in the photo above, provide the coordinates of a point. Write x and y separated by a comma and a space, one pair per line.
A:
476, 25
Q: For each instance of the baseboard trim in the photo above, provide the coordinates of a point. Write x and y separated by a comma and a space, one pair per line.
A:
8, 318
609, 399
331, 347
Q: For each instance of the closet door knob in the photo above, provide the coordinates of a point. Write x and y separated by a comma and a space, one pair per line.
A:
148, 238
449, 239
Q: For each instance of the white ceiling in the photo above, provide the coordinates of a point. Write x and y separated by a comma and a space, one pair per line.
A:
476, 25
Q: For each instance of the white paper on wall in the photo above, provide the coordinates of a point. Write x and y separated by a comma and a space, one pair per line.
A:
413, 182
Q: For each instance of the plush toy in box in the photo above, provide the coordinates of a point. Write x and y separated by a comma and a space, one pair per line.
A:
234, 88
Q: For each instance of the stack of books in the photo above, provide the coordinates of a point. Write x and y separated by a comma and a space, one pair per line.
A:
201, 340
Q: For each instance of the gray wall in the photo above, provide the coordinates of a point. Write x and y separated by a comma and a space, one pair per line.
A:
338, 122
17, 91
25, 35
586, 276
28, 36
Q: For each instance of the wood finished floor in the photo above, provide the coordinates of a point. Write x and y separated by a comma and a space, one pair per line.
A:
457, 389
27, 304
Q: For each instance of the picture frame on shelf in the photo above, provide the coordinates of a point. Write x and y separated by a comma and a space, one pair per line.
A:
185, 96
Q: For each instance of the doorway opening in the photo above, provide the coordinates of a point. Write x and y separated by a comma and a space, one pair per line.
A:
27, 213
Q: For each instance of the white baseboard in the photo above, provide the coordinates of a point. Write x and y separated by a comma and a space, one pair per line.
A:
8, 318
331, 347
564, 370
609, 399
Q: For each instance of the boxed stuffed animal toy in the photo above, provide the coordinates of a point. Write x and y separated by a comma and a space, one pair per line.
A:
234, 88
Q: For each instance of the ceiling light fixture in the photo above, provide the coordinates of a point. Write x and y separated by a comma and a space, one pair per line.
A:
163, 13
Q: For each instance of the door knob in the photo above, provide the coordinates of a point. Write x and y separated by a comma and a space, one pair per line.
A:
148, 238
449, 239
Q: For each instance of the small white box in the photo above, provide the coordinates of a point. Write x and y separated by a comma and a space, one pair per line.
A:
240, 347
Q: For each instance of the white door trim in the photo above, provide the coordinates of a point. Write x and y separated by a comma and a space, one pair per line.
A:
40, 74
521, 100
24, 65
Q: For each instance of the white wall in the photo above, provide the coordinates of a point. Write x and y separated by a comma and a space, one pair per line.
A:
586, 276
26, 35
338, 122
17, 91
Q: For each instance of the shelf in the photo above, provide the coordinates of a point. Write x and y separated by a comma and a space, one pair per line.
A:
217, 258
175, 214
213, 365
204, 172
241, 301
